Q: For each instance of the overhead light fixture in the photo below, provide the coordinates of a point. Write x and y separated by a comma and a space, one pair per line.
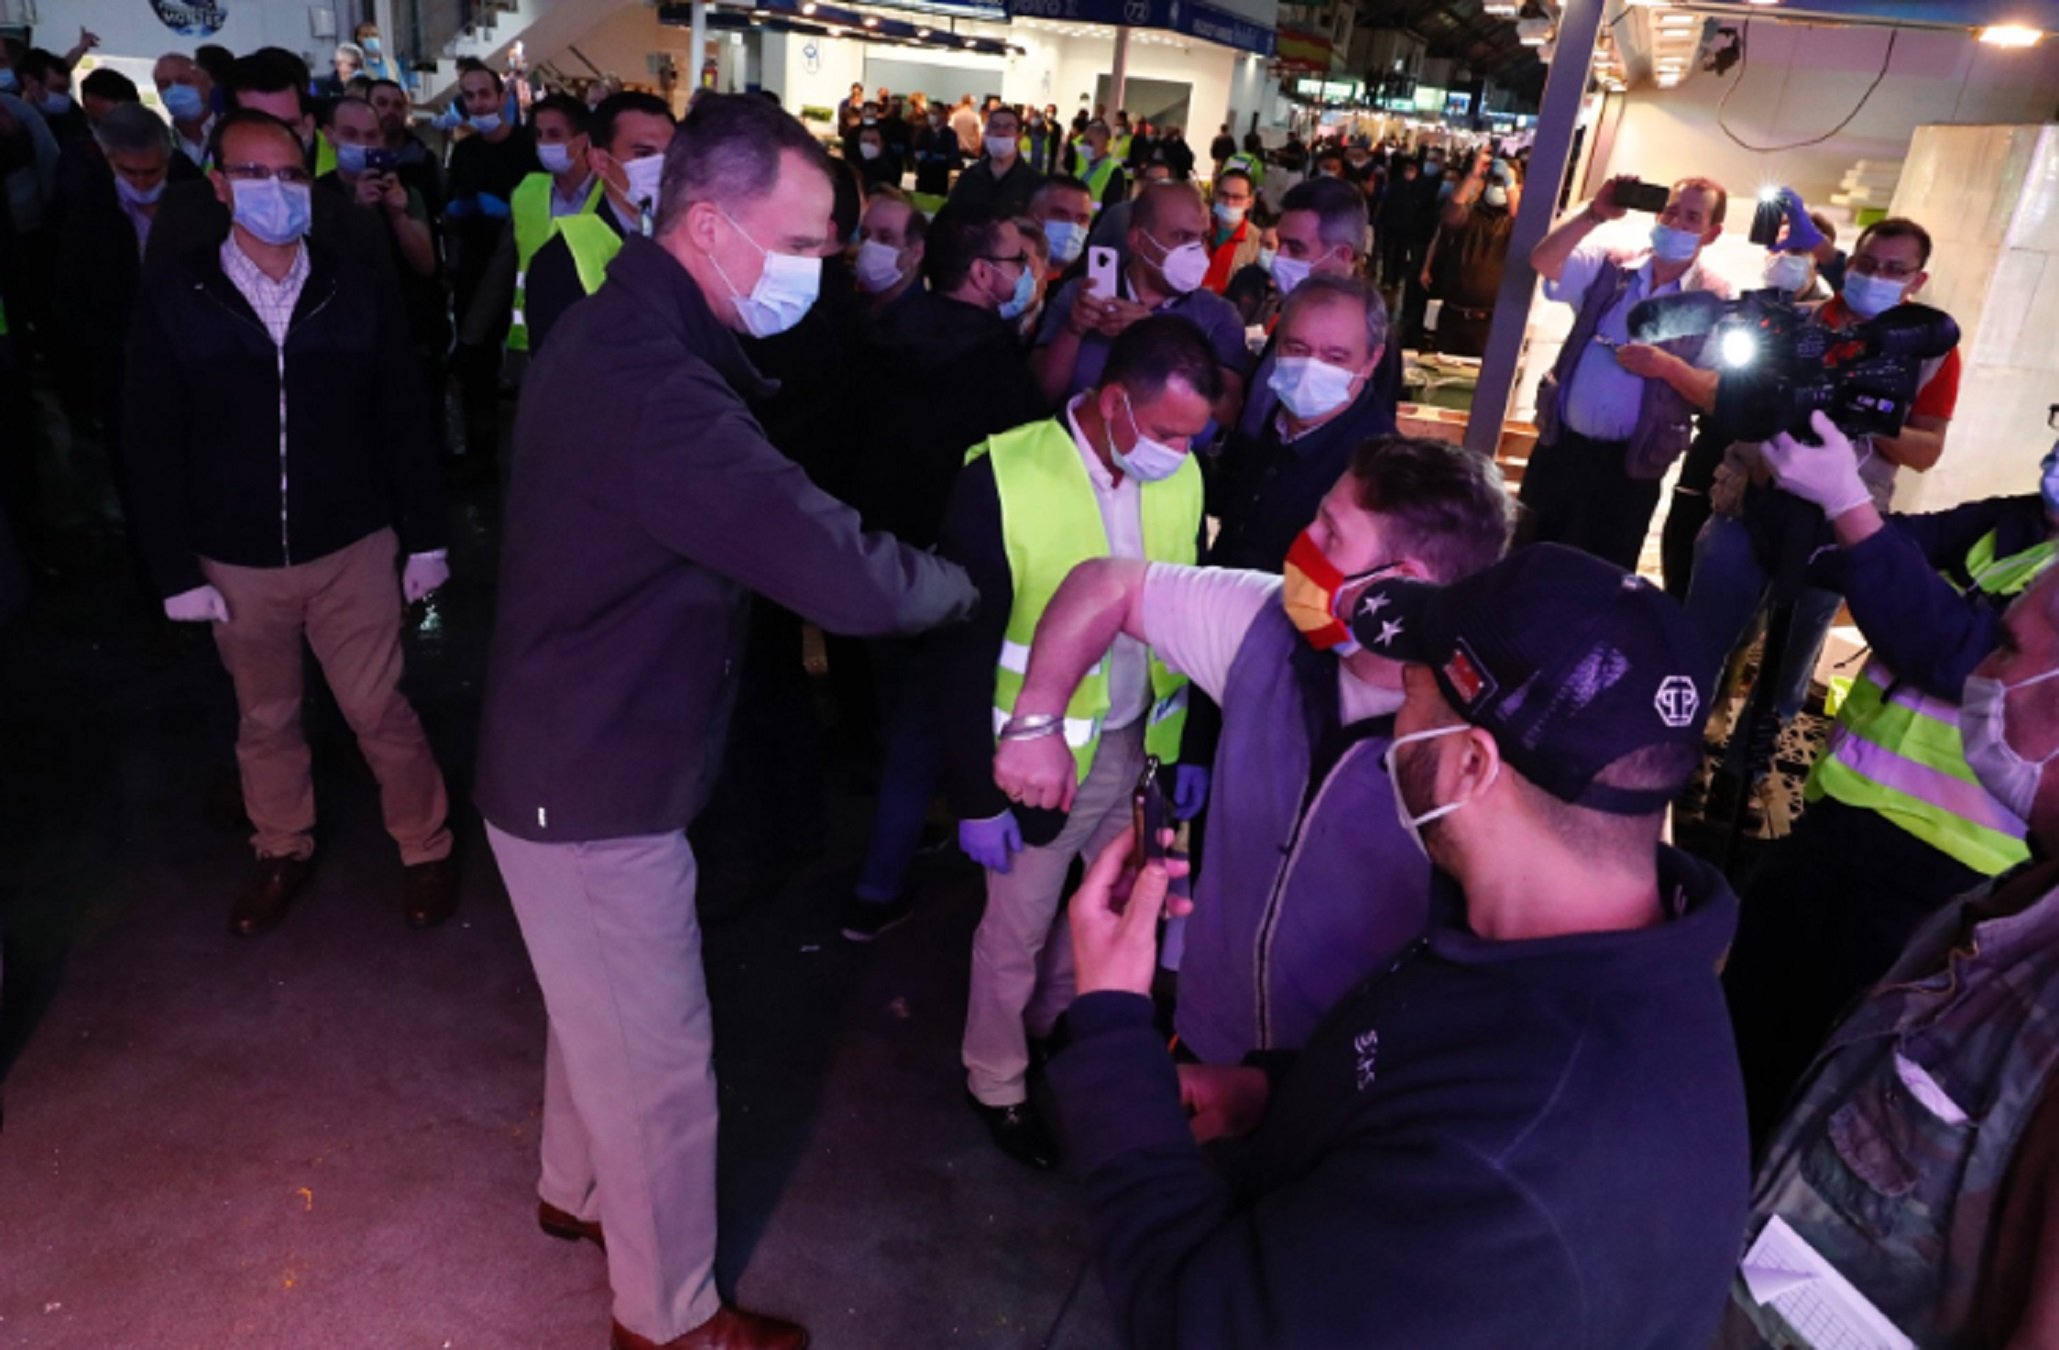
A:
1678, 22
922, 32
1501, 9
1762, 3
871, 21
2011, 35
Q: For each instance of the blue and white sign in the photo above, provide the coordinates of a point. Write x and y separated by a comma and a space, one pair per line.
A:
192, 18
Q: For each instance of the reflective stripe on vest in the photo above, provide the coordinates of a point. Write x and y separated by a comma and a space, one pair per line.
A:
1900, 754
594, 245
1097, 179
325, 155
1050, 523
530, 210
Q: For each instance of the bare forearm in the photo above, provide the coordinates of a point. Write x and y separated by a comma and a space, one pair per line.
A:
1098, 600
1916, 448
1695, 385
1553, 251
1857, 525
415, 244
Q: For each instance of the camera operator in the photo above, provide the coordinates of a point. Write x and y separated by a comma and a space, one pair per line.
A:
1525, 1132
1614, 414
1897, 822
1729, 583
1957, 1246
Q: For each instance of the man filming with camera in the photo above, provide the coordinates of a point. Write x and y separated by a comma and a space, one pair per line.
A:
1614, 414
1526, 1131
1729, 583
1897, 822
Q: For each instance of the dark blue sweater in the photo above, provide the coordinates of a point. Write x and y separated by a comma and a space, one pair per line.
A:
1491, 1144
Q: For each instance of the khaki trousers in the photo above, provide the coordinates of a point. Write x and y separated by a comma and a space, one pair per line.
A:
1022, 977
346, 606
629, 1105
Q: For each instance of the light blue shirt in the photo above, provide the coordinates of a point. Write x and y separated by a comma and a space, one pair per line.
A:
1602, 400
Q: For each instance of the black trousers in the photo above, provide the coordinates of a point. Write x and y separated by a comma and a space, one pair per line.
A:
1689, 511
1826, 913
1577, 493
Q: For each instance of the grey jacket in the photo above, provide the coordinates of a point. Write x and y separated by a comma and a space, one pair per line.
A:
644, 504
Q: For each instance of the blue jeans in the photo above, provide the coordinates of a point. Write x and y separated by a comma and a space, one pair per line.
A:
907, 770
1725, 595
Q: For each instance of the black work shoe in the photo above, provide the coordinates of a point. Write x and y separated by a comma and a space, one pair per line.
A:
1019, 1132
865, 919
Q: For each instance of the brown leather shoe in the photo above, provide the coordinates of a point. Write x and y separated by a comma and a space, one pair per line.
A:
730, 1329
432, 893
263, 902
568, 1227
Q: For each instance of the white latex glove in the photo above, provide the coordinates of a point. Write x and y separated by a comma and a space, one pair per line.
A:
1826, 474
202, 604
424, 573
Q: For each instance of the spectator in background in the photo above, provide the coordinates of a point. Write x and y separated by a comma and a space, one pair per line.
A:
1043, 140
1614, 414
892, 238
878, 164
1399, 210
1064, 210
1002, 182
103, 89
1174, 150
355, 130
965, 124
46, 85
1233, 239
1221, 148
937, 155
1469, 254
187, 92
1100, 168
851, 108
347, 63
420, 167
486, 167
1168, 260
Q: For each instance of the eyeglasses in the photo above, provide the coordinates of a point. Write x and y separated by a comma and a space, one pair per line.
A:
1867, 266
292, 174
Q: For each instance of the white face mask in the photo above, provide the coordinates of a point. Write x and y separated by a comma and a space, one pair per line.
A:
646, 175
1674, 246
2009, 778
1311, 388
1147, 461
1266, 257
1788, 272
1185, 267
879, 267
1000, 147
1414, 824
1289, 273
786, 288
1067, 241
485, 125
554, 158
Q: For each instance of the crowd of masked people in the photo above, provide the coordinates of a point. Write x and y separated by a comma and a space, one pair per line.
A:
1320, 784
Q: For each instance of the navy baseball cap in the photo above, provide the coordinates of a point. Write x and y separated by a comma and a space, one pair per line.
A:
1569, 662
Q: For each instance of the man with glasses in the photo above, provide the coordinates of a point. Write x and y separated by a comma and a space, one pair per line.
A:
1233, 241
1168, 262
1728, 586
277, 487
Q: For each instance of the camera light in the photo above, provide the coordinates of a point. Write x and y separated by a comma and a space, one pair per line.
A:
2010, 35
1739, 349
1769, 194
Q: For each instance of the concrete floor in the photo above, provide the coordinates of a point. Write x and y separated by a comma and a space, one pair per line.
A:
326, 1136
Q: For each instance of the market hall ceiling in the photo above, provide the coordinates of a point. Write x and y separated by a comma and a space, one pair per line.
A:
1460, 29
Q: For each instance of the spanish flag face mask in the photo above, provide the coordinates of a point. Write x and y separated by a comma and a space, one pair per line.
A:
1309, 595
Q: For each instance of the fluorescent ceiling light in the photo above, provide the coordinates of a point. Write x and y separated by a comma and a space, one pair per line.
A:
2011, 35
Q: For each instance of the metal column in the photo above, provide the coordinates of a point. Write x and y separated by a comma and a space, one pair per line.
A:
1564, 87
1120, 72
700, 44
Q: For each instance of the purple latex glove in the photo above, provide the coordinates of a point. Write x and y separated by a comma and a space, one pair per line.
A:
991, 842
1802, 234
1189, 791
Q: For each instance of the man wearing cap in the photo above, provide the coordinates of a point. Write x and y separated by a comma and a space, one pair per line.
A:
1529, 1131
1303, 811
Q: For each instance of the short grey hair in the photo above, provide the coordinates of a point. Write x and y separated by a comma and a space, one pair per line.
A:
727, 151
131, 128
1323, 286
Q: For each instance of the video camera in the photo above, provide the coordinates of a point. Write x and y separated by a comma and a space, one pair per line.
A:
1777, 365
